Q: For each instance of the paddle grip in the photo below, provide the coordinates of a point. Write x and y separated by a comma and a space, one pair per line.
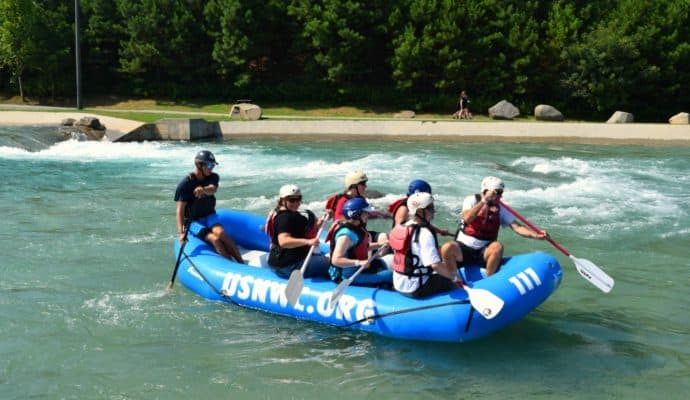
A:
534, 228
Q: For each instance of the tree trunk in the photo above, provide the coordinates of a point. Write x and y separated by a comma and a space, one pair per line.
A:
21, 87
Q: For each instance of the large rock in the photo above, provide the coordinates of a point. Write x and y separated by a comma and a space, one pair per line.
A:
621, 117
246, 112
87, 128
545, 112
680, 119
504, 110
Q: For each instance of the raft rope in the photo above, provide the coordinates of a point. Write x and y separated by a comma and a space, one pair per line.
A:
406, 310
215, 289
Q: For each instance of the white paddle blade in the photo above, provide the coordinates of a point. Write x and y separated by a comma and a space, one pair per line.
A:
487, 303
339, 290
594, 274
294, 287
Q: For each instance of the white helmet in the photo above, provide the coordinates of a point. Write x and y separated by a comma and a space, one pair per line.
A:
492, 183
289, 190
419, 200
354, 178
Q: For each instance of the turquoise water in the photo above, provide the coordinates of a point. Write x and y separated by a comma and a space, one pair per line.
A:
86, 251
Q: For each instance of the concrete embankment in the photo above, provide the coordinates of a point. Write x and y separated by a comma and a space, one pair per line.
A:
118, 129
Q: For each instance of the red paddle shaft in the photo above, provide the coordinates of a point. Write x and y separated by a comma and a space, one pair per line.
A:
534, 228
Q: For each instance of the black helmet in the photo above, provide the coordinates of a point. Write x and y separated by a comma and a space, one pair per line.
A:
205, 156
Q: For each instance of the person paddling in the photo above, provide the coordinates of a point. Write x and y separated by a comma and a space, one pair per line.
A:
196, 207
292, 235
355, 187
480, 220
418, 269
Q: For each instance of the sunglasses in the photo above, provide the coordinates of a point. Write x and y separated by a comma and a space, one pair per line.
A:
293, 199
210, 165
499, 192
431, 208
363, 183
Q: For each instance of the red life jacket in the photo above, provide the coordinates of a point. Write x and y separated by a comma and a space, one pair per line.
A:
335, 205
486, 224
393, 207
359, 251
404, 262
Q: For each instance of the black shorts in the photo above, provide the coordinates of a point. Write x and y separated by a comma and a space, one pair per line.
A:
472, 256
435, 284
203, 232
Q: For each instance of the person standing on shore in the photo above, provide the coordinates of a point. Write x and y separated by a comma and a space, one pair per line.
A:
480, 220
462, 107
196, 207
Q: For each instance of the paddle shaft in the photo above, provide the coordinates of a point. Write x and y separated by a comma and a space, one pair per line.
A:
534, 228
311, 249
179, 255
340, 289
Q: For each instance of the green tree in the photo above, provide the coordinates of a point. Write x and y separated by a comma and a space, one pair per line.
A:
18, 34
165, 50
342, 43
102, 33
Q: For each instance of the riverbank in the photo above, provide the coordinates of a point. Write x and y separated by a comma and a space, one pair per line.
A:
576, 132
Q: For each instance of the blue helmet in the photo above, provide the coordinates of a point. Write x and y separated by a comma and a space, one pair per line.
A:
353, 208
418, 185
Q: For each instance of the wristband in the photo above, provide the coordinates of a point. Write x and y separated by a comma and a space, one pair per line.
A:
357, 264
485, 201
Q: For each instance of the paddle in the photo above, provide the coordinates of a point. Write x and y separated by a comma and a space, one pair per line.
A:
487, 303
586, 268
296, 282
345, 283
179, 256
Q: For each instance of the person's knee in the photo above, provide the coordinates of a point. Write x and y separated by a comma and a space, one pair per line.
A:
451, 250
495, 248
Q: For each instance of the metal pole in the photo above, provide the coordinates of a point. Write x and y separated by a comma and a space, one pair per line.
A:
76, 52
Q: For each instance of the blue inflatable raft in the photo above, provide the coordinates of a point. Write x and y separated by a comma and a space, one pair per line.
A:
523, 283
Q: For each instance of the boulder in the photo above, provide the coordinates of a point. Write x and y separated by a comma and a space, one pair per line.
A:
405, 114
621, 117
87, 128
682, 118
545, 112
246, 112
504, 110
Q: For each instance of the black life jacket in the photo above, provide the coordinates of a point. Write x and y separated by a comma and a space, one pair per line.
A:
310, 229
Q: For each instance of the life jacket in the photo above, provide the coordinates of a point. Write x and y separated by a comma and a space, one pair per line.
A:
404, 262
486, 224
393, 207
269, 225
360, 251
199, 207
335, 205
